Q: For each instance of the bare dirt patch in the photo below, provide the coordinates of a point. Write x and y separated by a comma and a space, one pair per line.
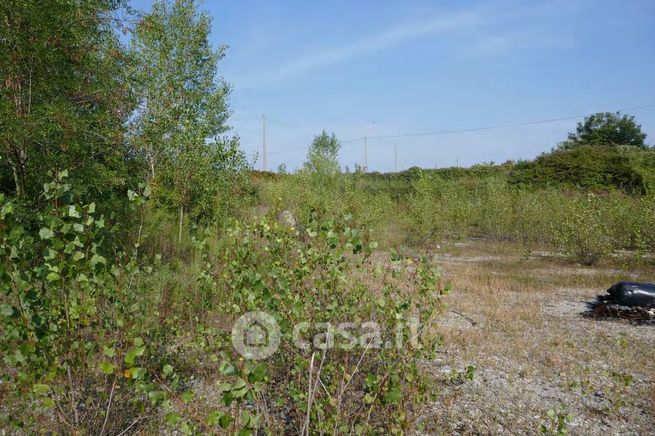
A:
519, 320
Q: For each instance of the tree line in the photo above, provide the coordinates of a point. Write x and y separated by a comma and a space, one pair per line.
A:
122, 99
119, 99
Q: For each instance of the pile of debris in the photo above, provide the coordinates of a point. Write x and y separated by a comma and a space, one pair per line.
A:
631, 301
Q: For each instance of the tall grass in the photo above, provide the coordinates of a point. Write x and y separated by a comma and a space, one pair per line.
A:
587, 226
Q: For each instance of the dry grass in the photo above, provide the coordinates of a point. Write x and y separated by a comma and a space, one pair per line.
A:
533, 349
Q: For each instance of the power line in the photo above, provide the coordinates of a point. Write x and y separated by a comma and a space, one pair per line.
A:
493, 127
290, 126
279, 123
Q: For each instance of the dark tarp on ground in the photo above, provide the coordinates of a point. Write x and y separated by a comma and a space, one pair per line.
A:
633, 294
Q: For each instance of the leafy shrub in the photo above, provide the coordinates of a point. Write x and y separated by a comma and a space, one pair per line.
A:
99, 340
495, 204
71, 308
589, 167
584, 231
435, 208
440, 208
331, 196
330, 278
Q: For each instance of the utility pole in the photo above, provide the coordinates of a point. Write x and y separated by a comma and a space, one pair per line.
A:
264, 142
365, 154
395, 157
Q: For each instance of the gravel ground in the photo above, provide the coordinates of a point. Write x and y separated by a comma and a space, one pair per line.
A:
541, 365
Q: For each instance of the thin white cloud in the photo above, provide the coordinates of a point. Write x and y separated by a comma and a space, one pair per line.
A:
367, 45
379, 42
498, 30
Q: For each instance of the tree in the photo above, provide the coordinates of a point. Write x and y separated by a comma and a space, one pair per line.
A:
323, 154
606, 128
182, 109
63, 99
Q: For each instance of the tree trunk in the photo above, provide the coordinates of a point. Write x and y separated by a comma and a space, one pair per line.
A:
17, 181
18, 169
179, 235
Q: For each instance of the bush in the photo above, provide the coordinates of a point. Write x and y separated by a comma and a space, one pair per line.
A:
334, 196
589, 167
440, 208
98, 338
71, 308
584, 231
330, 278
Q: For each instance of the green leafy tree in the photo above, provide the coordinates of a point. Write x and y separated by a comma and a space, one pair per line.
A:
63, 95
606, 128
323, 154
182, 110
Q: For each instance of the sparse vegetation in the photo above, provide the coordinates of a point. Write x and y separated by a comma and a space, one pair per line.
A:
585, 225
135, 238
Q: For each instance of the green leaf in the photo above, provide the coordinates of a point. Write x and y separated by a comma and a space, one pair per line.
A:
78, 256
258, 373
96, 259
214, 418
6, 309
46, 233
225, 421
40, 389
226, 368
138, 373
185, 429
6, 209
91, 208
133, 353
224, 387
156, 396
109, 351
240, 388
240, 392
52, 277
72, 212
187, 396
245, 418
168, 369
228, 398
172, 418
107, 368
239, 384
393, 395
79, 228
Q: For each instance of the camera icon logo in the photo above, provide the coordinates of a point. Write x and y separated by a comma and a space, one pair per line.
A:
256, 335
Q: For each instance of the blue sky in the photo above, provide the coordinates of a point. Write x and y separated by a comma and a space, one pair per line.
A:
378, 68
